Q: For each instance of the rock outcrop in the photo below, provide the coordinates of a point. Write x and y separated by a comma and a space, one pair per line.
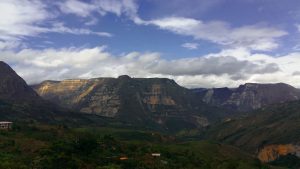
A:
272, 152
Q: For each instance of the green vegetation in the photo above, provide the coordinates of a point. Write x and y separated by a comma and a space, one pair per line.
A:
290, 161
277, 124
55, 147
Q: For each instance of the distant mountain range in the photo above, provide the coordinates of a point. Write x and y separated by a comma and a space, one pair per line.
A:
155, 100
160, 99
249, 96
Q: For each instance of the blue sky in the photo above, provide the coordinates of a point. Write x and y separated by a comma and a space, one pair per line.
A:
199, 43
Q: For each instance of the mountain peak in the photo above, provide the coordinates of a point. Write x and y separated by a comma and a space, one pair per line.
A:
250, 96
267, 85
2, 62
124, 77
5, 68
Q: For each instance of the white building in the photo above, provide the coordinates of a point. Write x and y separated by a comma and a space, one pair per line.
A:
155, 154
5, 125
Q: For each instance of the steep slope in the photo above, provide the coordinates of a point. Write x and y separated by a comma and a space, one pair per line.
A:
18, 101
250, 96
271, 132
141, 100
13, 87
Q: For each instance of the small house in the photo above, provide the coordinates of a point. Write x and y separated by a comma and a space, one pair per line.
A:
123, 158
5, 125
155, 154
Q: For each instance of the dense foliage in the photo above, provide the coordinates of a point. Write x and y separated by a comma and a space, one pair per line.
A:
55, 147
290, 161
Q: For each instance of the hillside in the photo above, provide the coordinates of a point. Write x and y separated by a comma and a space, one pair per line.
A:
50, 147
13, 88
19, 102
270, 133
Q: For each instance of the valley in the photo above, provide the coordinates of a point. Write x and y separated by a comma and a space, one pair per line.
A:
149, 84
93, 123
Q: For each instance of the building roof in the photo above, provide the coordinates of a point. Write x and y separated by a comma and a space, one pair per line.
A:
155, 154
5, 122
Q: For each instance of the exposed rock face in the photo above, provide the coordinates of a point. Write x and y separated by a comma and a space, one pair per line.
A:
13, 87
272, 152
87, 96
249, 96
157, 99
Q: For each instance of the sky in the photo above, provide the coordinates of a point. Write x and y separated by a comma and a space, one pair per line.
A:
198, 43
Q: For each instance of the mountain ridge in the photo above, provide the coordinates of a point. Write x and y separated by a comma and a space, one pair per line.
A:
249, 96
19, 102
13, 87
155, 99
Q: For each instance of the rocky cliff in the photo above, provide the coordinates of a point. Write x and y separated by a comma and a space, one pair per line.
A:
249, 96
140, 99
273, 152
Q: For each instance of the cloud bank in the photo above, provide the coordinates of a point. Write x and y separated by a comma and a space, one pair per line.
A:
225, 68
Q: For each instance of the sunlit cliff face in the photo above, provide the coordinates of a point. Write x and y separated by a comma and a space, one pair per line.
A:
151, 98
272, 152
61, 87
156, 96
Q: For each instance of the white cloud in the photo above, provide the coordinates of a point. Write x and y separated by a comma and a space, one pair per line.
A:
226, 68
254, 37
77, 7
5, 45
190, 46
92, 21
298, 27
21, 18
84, 9
26, 18
61, 28
213, 65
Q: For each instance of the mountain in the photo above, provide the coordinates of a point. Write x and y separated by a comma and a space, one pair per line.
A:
249, 96
19, 102
13, 88
139, 100
271, 133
